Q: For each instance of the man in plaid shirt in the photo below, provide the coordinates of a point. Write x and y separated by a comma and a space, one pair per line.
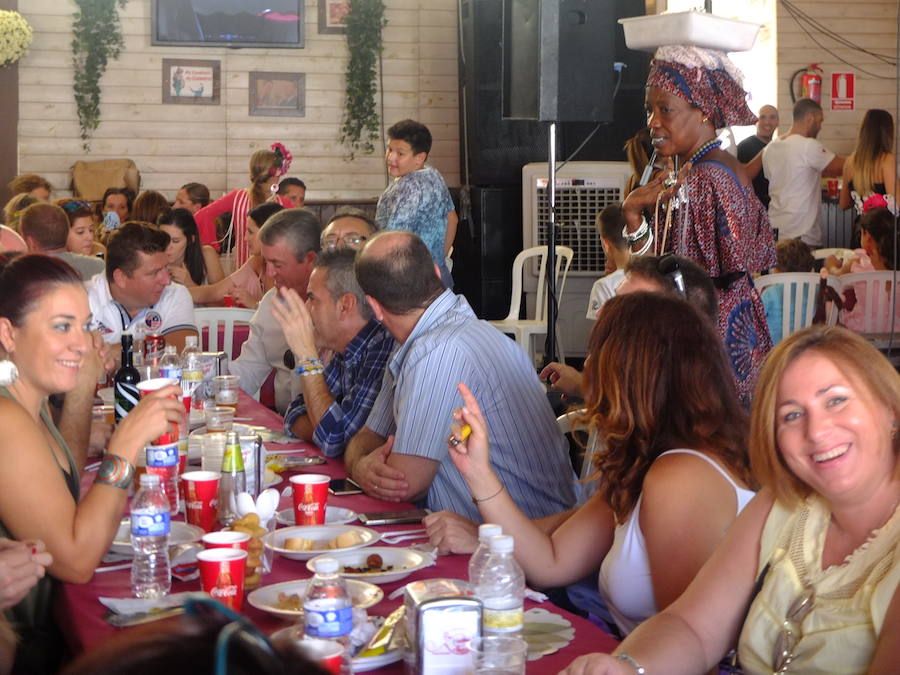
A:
336, 398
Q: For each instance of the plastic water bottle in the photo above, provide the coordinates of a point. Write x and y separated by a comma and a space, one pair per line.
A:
501, 589
327, 611
170, 364
192, 371
162, 461
483, 551
150, 573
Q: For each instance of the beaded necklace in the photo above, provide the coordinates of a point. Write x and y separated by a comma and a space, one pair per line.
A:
704, 149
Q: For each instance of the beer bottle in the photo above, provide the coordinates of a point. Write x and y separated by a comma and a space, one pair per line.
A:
126, 380
232, 481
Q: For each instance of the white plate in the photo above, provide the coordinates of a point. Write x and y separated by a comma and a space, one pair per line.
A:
181, 533
320, 533
362, 595
334, 515
405, 562
646, 33
360, 664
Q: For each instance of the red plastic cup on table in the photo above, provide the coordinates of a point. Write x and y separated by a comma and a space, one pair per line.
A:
228, 300
310, 494
222, 575
149, 386
200, 491
327, 653
226, 539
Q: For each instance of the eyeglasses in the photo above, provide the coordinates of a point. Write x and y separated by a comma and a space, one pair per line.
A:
790, 630
237, 633
333, 241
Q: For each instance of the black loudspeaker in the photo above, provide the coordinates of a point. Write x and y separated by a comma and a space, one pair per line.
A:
558, 60
485, 247
495, 149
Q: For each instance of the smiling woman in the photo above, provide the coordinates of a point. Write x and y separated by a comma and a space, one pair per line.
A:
44, 317
815, 554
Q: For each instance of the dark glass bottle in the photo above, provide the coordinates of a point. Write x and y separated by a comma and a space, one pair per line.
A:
126, 380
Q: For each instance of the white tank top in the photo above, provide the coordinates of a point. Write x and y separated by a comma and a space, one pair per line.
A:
625, 573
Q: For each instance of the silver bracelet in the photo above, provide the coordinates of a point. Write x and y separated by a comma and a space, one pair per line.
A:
646, 246
639, 669
638, 234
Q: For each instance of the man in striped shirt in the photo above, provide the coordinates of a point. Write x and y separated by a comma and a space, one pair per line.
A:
335, 400
401, 453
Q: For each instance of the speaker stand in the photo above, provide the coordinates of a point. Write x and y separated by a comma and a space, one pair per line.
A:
552, 309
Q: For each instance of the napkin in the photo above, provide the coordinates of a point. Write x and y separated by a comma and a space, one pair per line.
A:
141, 605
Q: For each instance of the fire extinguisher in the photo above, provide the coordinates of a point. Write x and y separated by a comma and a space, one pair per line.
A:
810, 83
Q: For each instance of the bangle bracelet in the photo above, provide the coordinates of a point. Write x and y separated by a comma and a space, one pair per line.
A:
638, 234
639, 669
115, 471
481, 501
310, 367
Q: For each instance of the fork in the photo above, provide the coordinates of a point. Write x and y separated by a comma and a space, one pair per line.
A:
403, 535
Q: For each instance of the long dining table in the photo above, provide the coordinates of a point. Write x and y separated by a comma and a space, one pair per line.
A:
81, 615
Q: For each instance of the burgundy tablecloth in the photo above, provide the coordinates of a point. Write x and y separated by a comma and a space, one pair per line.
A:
81, 615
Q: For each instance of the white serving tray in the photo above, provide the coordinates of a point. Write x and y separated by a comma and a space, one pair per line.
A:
699, 29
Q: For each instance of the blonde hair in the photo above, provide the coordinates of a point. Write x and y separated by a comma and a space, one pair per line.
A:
876, 138
14, 207
261, 164
864, 365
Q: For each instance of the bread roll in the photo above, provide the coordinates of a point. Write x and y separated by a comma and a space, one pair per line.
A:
346, 539
298, 544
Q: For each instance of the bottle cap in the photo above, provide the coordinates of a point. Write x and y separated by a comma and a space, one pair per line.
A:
502, 543
488, 530
149, 480
327, 566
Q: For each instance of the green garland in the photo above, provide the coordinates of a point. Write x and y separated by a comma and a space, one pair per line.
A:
361, 123
97, 38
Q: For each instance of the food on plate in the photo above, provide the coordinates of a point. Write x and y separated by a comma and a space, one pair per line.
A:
292, 602
343, 540
346, 540
374, 565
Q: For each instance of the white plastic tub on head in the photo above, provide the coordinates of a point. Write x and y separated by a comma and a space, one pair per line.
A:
646, 33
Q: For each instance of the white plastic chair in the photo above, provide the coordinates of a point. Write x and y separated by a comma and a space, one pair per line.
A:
567, 425
524, 329
876, 291
213, 317
800, 292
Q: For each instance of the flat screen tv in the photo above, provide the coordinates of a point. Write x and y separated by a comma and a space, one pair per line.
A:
228, 23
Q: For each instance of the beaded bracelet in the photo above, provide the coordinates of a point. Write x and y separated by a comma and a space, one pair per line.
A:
639, 669
115, 471
310, 367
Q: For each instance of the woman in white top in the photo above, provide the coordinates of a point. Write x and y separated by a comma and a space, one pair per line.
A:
657, 383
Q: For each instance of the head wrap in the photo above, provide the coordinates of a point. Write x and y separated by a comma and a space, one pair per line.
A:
283, 160
705, 78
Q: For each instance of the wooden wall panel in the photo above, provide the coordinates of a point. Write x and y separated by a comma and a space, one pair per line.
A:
173, 144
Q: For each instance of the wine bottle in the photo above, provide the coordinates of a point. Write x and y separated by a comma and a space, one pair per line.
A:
126, 380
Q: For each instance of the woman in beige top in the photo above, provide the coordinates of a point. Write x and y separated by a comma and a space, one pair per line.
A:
816, 555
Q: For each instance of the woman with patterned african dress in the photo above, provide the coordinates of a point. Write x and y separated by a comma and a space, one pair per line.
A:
709, 213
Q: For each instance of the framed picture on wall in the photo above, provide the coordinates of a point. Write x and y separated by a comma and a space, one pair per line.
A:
331, 15
277, 94
191, 81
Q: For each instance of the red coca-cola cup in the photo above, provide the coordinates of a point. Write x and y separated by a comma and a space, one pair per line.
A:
327, 653
222, 575
310, 494
148, 386
199, 492
226, 539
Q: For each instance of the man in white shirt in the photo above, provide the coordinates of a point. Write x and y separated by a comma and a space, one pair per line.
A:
289, 241
794, 165
136, 291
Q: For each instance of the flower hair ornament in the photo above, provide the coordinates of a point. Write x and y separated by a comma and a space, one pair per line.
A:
875, 201
284, 157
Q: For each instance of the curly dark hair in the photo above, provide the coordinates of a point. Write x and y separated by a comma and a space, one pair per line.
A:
657, 378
